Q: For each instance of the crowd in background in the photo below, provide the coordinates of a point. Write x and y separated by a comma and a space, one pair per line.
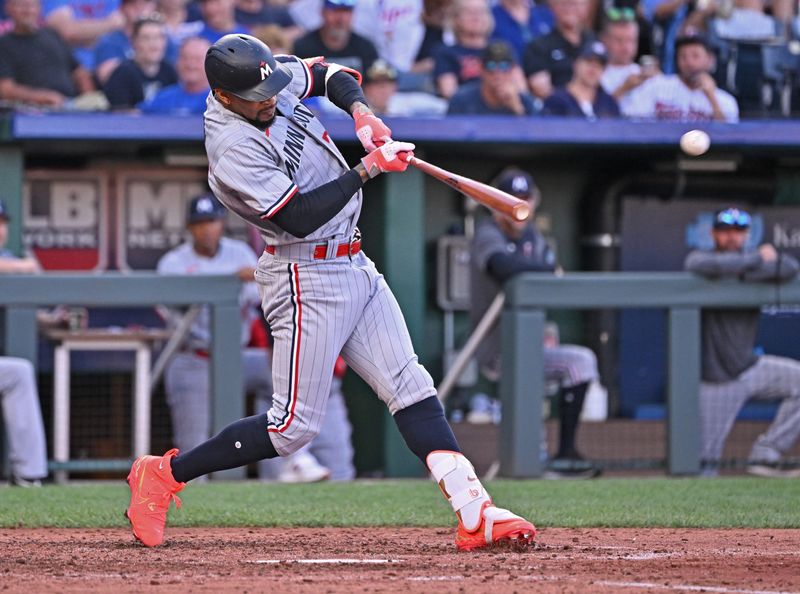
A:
642, 59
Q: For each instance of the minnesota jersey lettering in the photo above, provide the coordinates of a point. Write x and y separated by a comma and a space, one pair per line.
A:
293, 150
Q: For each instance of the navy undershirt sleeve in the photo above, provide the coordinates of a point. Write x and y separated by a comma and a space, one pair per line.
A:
308, 211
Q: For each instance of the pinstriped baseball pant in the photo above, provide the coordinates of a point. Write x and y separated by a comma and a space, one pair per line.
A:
316, 310
771, 378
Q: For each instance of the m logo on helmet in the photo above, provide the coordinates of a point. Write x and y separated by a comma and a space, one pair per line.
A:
265, 70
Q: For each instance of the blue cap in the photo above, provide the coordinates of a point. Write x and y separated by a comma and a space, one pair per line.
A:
516, 182
343, 4
4, 211
205, 208
732, 218
594, 50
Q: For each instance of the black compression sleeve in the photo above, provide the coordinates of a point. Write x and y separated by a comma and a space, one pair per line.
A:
344, 90
308, 211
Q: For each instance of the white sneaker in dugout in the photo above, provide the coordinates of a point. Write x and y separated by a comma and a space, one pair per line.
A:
772, 470
302, 467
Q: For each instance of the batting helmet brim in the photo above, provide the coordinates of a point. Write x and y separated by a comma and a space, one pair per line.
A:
267, 88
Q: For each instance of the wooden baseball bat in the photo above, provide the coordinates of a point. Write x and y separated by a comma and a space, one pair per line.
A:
483, 193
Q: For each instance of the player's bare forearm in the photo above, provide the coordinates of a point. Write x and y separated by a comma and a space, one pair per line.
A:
362, 171
359, 107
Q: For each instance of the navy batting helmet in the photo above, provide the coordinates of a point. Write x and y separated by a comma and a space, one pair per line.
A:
245, 67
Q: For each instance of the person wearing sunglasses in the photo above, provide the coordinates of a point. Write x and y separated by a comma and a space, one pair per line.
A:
583, 96
499, 91
620, 35
732, 373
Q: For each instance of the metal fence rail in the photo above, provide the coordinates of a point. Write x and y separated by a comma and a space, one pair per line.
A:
681, 294
22, 295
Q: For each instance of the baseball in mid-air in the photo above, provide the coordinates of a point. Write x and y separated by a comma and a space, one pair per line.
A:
695, 143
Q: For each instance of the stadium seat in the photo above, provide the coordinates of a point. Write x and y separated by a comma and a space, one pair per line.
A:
779, 72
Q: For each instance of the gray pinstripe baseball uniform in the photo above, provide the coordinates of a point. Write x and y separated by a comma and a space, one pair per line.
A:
317, 304
732, 373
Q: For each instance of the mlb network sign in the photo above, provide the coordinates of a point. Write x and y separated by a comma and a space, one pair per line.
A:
152, 215
64, 219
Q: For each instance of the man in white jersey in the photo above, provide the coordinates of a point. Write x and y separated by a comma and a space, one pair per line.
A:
689, 96
274, 164
187, 375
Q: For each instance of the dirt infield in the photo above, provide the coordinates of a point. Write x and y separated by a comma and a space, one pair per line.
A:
403, 560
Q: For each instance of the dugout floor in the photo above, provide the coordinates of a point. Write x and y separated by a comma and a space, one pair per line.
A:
407, 560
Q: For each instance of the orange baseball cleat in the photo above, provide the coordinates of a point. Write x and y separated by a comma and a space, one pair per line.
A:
152, 489
480, 524
499, 528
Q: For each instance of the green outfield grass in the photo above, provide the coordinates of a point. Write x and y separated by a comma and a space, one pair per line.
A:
740, 502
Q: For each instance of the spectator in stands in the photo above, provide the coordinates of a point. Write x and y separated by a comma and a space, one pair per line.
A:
189, 94
275, 38
81, 23
548, 59
666, 18
219, 19
583, 96
460, 63
690, 95
620, 35
177, 21
498, 91
434, 15
36, 66
254, 13
19, 396
502, 248
745, 20
112, 48
380, 89
336, 40
394, 27
140, 78
732, 373
519, 22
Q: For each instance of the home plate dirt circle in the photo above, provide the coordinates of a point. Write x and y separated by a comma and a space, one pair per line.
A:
411, 560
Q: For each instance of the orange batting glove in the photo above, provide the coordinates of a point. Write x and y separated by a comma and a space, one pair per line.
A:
371, 130
392, 156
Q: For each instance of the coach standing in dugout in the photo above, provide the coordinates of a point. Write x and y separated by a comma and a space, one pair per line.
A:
273, 163
732, 373
502, 248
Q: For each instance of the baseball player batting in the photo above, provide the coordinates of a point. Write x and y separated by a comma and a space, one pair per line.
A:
273, 163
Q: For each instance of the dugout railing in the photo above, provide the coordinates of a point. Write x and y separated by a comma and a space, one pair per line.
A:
21, 296
529, 295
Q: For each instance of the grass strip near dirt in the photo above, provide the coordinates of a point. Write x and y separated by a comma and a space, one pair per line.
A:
738, 502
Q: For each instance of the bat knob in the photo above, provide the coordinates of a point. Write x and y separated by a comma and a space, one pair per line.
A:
521, 211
